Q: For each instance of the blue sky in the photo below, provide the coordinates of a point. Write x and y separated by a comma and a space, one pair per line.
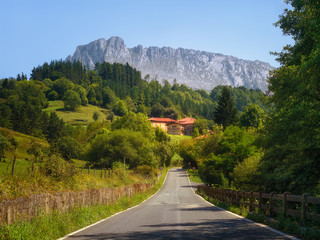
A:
37, 31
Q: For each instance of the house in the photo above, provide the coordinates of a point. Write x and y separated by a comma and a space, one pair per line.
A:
187, 124
161, 123
175, 127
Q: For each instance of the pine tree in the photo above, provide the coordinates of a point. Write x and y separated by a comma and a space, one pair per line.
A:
226, 112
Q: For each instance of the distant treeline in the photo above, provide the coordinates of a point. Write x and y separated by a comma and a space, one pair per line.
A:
148, 96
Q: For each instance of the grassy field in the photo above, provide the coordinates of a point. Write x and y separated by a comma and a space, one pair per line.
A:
175, 139
22, 166
24, 143
82, 116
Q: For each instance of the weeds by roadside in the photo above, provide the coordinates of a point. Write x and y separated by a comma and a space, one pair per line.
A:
57, 224
307, 231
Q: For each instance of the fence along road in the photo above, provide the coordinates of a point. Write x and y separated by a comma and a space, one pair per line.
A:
176, 212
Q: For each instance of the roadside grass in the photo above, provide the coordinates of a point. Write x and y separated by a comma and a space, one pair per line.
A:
194, 176
82, 116
303, 230
27, 183
57, 224
178, 138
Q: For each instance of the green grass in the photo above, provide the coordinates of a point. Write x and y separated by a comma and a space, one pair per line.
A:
194, 176
57, 224
21, 167
82, 116
179, 137
24, 142
53, 106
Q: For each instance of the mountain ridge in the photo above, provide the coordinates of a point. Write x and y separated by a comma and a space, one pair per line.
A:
195, 68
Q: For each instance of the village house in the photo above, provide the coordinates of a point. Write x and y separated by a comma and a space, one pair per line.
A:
175, 127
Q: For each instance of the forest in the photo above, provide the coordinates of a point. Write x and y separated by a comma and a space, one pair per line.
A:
242, 139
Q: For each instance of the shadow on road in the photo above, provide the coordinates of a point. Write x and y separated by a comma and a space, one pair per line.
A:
206, 229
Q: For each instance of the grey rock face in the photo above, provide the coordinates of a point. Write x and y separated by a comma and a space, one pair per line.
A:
197, 69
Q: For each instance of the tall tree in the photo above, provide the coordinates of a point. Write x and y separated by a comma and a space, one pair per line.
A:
225, 113
291, 138
71, 100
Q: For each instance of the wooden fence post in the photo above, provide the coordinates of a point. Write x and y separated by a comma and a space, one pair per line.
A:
304, 206
271, 203
260, 202
284, 203
13, 165
251, 201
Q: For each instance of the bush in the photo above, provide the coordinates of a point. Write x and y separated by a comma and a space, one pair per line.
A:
57, 168
245, 173
53, 95
211, 170
69, 148
121, 146
146, 171
164, 152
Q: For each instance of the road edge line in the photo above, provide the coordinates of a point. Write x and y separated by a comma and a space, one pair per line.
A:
96, 223
246, 219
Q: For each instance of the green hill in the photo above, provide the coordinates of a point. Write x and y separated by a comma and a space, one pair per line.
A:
82, 116
23, 158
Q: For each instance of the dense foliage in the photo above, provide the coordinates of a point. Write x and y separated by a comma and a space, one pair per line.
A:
225, 113
292, 134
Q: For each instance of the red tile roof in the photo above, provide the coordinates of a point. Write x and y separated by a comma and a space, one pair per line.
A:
184, 121
164, 120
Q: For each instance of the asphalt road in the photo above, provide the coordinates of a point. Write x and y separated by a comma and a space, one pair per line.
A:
176, 212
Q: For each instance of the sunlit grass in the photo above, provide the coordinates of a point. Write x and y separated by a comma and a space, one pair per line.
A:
82, 116
194, 176
56, 224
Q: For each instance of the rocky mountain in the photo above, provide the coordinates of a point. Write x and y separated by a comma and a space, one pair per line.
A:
197, 69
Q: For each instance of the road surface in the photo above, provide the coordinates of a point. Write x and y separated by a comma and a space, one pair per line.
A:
176, 212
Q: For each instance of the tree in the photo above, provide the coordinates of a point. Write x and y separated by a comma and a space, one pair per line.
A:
252, 117
35, 149
4, 145
211, 171
124, 146
135, 122
95, 116
291, 136
71, 100
61, 86
157, 110
225, 113
53, 128
202, 126
161, 135
246, 173
120, 108
82, 94
69, 148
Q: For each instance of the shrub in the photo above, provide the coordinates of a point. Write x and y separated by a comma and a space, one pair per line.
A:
69, 148
57, 168
146, 171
